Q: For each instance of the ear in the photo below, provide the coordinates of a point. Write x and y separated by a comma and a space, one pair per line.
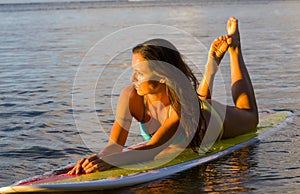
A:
162, 80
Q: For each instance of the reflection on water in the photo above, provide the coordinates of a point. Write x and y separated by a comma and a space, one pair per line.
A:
228, 174
234, 172
225, 175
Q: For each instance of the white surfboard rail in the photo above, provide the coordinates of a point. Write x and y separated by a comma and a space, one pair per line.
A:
142, 177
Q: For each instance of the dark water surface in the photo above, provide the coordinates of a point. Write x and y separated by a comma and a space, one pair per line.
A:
42, 46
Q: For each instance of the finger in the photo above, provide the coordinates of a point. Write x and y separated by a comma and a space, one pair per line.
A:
78, 170
93, 157
221, 38
103, 166
89, 165
229, 40
89, 160
92, 164
79, 162
71, 172
93, 168
78, 167
75, 170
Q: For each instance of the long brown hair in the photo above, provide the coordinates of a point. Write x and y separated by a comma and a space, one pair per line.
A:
164, 51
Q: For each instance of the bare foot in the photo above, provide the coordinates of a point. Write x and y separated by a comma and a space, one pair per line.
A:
218, 49
233, 39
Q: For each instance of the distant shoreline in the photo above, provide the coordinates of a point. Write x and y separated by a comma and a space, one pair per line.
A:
40, 5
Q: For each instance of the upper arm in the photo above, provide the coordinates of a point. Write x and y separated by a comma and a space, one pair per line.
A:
166, 131
160, 140
127, 108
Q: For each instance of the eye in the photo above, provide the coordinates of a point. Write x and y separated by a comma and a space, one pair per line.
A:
139, 76
137, 73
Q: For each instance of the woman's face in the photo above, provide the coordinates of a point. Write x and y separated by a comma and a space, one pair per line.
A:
143, 78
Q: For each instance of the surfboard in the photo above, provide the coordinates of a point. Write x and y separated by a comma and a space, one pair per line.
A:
58, 180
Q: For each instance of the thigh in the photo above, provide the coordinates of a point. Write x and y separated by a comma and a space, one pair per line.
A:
235, 121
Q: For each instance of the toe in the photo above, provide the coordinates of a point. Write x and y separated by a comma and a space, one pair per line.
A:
228, 40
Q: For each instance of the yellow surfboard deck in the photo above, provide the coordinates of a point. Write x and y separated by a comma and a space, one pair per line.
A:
270, 121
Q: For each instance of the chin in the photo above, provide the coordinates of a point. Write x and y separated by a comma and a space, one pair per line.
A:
140, 93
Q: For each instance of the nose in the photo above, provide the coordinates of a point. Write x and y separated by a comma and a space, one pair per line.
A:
133, 77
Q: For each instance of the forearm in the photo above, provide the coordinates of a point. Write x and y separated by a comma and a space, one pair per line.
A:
139, 154
162, 138
111, 148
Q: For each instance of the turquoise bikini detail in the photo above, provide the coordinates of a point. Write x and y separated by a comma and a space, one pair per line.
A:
143, 129
206, 106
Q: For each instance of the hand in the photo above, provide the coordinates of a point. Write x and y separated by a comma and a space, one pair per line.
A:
89, 165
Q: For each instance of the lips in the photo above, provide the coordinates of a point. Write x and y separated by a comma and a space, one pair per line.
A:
136, 86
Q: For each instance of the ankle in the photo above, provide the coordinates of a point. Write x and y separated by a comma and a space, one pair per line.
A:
211, 67
234, 49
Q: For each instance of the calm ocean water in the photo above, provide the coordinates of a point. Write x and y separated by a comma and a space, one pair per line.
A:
42, 46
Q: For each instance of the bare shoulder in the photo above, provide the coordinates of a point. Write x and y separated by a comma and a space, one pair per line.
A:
127, 91
130, 93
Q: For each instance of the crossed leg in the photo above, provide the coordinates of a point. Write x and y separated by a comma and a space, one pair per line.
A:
243, 117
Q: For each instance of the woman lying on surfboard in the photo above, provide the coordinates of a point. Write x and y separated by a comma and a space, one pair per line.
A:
162, 99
